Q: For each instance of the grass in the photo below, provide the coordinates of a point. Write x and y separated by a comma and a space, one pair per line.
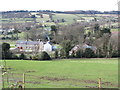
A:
69, 73
68, 17
114, 30
8, 41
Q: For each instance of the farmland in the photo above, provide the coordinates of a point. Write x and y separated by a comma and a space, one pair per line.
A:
82, 49
21, 23
66, 73
69, 18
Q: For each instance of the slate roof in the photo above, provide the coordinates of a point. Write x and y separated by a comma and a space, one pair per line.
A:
27, 42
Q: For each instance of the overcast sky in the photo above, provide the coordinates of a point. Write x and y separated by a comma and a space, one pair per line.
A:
59, 5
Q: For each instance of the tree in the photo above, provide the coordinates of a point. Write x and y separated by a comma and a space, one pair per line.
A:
54, 28
97, 31
105, 49
103, 45
50, 16
54, 31
28, 28
110, 50
0, 51
16, 31
6, 54
63, 20
34, 34
67, 45
71, 32
33, 16
96, 28
106, 30
106, 38
115, 42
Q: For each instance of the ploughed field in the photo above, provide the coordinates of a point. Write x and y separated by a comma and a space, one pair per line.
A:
67, 73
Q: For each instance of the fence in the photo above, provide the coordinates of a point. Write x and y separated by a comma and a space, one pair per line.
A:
19, 80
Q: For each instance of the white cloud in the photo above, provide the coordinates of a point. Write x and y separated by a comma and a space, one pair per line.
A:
64, 5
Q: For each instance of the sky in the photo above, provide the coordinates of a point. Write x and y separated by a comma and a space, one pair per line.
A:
59, 5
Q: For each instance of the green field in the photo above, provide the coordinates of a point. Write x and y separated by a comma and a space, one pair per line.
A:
75, 73
114, 30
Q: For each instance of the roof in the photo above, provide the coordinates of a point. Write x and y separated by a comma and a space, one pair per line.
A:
83, 46
27, 42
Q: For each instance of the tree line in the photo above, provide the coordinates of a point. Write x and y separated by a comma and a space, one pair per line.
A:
66, 12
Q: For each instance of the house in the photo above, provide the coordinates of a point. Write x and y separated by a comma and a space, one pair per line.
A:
30, 46
47, 47
82, 47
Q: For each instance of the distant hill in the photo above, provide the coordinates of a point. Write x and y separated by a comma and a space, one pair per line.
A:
68, 12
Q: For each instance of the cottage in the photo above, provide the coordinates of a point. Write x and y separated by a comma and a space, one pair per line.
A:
82, 47
30, 46
47, 47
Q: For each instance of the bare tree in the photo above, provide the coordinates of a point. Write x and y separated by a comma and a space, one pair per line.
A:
71, 32
34, 34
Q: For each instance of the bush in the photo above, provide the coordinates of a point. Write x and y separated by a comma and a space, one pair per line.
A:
6, 54
89, 53
35, 57
62, 54
79, 54
22, 56
56, 54
14, 56
115, 54
45, 56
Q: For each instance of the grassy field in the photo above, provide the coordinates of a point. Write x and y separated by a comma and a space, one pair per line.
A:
76, 73
114, 30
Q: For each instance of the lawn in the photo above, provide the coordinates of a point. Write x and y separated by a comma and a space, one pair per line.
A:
69, 73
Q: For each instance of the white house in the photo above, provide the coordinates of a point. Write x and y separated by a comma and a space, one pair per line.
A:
47, 47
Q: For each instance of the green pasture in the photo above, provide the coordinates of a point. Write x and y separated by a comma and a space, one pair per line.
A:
67, 17
66, 73
114, 30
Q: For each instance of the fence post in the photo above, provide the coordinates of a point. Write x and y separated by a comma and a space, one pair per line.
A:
23, 81
99, 83
3, 80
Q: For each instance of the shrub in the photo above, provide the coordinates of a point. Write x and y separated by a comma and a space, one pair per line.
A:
6, 54
56, 54
115, 54
62, 53
45, 56
35, 57
79, 54
30, 57
14, 56
89, 53
22, 56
